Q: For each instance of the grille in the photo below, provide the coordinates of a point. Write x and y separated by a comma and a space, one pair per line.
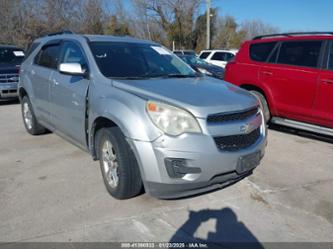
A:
237, 142
226, 117
9, 78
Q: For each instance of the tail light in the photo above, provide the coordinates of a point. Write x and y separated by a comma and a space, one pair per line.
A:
18, 69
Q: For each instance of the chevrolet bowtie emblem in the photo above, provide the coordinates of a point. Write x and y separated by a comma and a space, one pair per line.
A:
247, 128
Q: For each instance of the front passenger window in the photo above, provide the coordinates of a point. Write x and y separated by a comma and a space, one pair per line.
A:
72, 54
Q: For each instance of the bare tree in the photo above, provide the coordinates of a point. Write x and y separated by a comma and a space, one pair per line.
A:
175, 17
93, 17
164, 21
227, 35
254, 28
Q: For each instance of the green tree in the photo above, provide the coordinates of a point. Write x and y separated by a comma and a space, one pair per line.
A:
200, 30
227, 34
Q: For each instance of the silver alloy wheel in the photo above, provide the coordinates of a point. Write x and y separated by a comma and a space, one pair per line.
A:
27, 115
110, 164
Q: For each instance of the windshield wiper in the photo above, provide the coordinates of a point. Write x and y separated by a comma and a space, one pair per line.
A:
155, 76
178, 76
130, 78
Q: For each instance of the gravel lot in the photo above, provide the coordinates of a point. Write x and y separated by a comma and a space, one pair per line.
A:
52, 191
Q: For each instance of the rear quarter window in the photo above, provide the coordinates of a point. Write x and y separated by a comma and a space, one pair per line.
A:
261, 51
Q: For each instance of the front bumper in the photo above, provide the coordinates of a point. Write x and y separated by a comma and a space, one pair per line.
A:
8, 90
217, 168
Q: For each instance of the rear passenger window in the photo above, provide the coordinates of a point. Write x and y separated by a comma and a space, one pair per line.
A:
204, 55
228, 56
48, 56
261, 51
303, 53
218, 56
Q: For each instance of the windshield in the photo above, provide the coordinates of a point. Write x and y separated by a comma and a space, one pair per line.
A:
193, 60
135, 60
11, 56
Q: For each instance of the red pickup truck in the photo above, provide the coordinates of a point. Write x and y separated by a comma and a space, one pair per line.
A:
292, 76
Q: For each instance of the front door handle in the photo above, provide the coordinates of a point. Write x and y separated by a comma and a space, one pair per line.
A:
327, 81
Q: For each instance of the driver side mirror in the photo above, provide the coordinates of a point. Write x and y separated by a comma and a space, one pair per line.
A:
73, 69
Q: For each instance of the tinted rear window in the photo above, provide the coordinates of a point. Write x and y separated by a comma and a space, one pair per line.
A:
204, 55
11, 55
189, 52
261, 51
303, 53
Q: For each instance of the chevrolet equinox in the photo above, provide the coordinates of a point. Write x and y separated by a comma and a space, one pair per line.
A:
151, 120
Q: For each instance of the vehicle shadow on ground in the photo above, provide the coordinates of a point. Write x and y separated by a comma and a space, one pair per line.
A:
301, 133
229, 231
9, 102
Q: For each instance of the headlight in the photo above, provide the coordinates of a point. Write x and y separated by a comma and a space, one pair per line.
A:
172, 120
204, 71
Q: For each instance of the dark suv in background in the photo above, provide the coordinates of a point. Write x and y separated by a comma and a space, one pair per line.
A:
292, 75
10, 59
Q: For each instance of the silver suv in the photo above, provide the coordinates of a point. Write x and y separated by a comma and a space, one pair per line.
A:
151, 121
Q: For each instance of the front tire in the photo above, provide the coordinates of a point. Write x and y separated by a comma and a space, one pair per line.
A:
263, 105
29, 119
119, 167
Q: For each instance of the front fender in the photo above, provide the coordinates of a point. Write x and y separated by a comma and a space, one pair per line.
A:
128, 112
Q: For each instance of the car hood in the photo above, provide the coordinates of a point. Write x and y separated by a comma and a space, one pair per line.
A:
201, 95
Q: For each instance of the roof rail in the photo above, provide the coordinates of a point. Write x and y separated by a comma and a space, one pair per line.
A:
61, 33
292, 34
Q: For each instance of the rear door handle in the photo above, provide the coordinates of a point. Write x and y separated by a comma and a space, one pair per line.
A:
55, 82
267, 73
327, 81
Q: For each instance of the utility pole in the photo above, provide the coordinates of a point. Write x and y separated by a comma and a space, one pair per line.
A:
148, 29
208, 24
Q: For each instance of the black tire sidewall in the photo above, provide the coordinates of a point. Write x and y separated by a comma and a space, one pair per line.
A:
264, 105
34, 129
126, 166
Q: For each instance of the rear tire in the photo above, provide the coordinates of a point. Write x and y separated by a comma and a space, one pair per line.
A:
263, 105
119, 166
29, 119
